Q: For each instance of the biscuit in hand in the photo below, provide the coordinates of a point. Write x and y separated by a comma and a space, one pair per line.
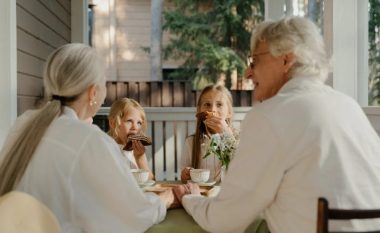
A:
146, 141
204, 115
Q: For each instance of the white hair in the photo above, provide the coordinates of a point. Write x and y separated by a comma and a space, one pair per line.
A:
299, 36
71, 69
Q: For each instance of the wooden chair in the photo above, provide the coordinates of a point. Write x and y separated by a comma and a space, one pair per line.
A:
22, 213
325, 214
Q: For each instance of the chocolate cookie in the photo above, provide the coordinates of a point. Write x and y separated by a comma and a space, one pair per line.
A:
204, 115
146, 141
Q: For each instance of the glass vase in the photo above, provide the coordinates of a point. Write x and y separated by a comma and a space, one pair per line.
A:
223, 171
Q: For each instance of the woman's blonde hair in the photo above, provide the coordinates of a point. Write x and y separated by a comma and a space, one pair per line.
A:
69, 71
119, 109
200, 131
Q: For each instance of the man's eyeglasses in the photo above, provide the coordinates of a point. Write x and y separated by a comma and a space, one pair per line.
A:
253, 59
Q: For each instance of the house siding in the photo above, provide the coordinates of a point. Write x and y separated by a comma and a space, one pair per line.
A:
122, 28
42, 26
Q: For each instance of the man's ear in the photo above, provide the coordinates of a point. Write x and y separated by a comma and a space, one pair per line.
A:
289, 60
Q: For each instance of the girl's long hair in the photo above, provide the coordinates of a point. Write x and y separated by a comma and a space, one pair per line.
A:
200, 132
69, 71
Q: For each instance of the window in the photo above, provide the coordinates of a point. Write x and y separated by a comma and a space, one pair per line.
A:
313, 9
374, 53
90, 22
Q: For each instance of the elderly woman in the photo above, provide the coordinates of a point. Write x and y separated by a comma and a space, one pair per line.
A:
70, 165
302, 140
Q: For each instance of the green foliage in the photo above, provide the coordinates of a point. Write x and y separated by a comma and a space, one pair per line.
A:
374, 52
212, 37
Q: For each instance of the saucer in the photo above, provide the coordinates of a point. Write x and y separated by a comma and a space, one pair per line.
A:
208, 184
148, 183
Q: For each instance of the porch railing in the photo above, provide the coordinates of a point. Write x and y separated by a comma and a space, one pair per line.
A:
166, 94
168, 127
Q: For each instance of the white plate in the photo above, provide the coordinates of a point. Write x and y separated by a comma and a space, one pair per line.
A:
206, 183
148, 183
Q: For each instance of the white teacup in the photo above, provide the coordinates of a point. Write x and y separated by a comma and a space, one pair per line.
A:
140, 175
199, 175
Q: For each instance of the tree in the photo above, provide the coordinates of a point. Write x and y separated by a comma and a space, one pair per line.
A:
212, 37
374, 52
156, 41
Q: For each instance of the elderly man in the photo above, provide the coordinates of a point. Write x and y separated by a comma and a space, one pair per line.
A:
301, 141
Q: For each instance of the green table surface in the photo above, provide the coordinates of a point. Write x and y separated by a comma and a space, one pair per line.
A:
178, 221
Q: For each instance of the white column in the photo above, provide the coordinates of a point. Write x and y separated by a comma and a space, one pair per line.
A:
79, 21
349, 43
8, 67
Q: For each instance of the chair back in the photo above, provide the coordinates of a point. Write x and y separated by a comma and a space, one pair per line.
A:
22, 213
325, 214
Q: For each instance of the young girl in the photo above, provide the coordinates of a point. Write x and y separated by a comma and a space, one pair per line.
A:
218, 100
127, 117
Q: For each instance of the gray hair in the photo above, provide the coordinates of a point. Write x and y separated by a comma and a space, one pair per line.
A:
69, 71
299, 36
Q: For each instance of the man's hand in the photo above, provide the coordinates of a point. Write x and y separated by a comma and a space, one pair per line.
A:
170, 199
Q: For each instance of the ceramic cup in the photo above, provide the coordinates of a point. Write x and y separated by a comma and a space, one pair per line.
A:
140, 175
199, 175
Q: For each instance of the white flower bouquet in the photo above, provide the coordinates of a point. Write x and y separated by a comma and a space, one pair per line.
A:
223, 146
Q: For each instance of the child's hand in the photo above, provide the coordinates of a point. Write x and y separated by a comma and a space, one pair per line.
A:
217, 125
185, 174
138, 148
170, 199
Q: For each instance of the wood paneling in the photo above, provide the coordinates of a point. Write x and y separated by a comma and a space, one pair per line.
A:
29, 64
29, 23
29, 85
42, 26
59, 10
30, 44
66, 4
133, 33
46, 17
25, 103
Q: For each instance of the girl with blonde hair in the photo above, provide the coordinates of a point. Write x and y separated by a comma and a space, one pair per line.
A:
217, 100
127, 117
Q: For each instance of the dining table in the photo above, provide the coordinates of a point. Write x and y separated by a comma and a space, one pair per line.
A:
179, 221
